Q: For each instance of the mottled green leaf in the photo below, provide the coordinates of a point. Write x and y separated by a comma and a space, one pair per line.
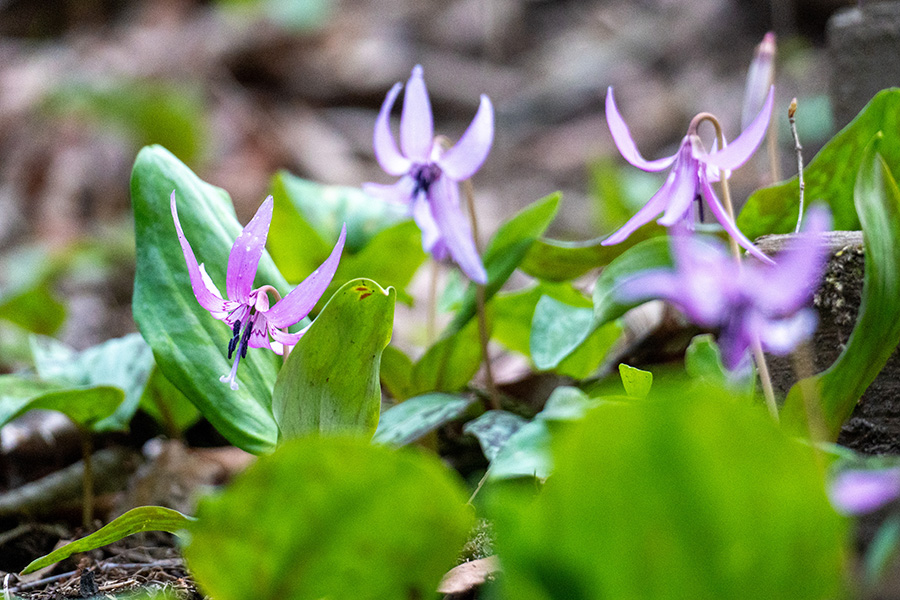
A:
125, 363
331, 517
189, 345
330, 381
830, 177
877, 331
87, 406
136, 520
406, 422
493, 429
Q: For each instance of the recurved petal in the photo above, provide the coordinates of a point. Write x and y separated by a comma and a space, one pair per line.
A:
431, 235
786, 286
730, 227
454, 229
282, 339
781, 336
207, 299
625, 143
303, 298
385, 147
468, 154
229, 312
245, 253
647, 213
648, 285
743, 146
416, 122
683, 189
856, 492
398, 193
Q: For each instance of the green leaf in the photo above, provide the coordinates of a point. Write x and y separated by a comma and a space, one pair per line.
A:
87, 406
525, 454
493, 429
557, 330
26, 298
831, 175
396, 374
148, 112
189, 345
330, 381
877, 331
406, 422
684, 495
167, 405
449, 364
505, 252
136, 520
331, 517
703, 361
124, 362
637, 382
566, 404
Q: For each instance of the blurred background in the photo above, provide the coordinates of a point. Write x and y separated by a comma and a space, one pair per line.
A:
241, 88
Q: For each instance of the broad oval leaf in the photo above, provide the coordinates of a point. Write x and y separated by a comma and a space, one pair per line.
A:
691, 494
86, 406
329, 516
136, 520
877, 331
831, 175
406, 422
189, 345
330, 381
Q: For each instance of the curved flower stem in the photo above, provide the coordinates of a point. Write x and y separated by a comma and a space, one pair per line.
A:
756, 346
268, 289
483, 336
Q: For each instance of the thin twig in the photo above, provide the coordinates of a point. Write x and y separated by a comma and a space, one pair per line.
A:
799, 149
431, 322
87, 506
480, 292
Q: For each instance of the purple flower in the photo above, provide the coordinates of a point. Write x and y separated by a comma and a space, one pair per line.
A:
429, 175
247, 311
765, 301
693, 171
854, 492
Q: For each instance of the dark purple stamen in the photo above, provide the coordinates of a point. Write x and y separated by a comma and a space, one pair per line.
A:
424, 176
245, 339
232, 344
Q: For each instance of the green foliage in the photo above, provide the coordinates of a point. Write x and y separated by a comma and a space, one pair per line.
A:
830, 177
149, 113
125, 363
685, 495
331, 517
86, 406
406, 422
136, 520
27, 298
450, 364
493, 430
636, 382
330, 381
877, 331
189, 345
523, 323
382, 243
505, 252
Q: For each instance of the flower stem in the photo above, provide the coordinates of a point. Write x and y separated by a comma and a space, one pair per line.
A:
799, 150
431, 319
87, 504
480, 292
756, 346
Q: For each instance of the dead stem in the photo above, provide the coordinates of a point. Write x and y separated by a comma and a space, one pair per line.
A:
483, 336
87, 505
799, 150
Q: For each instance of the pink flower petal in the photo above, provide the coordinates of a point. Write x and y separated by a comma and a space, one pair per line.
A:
625, 143
647, 213
454, 228
207, 299
386, 151
416, 122
468, 154
303, 298
727, 224
245, 253
743, 146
